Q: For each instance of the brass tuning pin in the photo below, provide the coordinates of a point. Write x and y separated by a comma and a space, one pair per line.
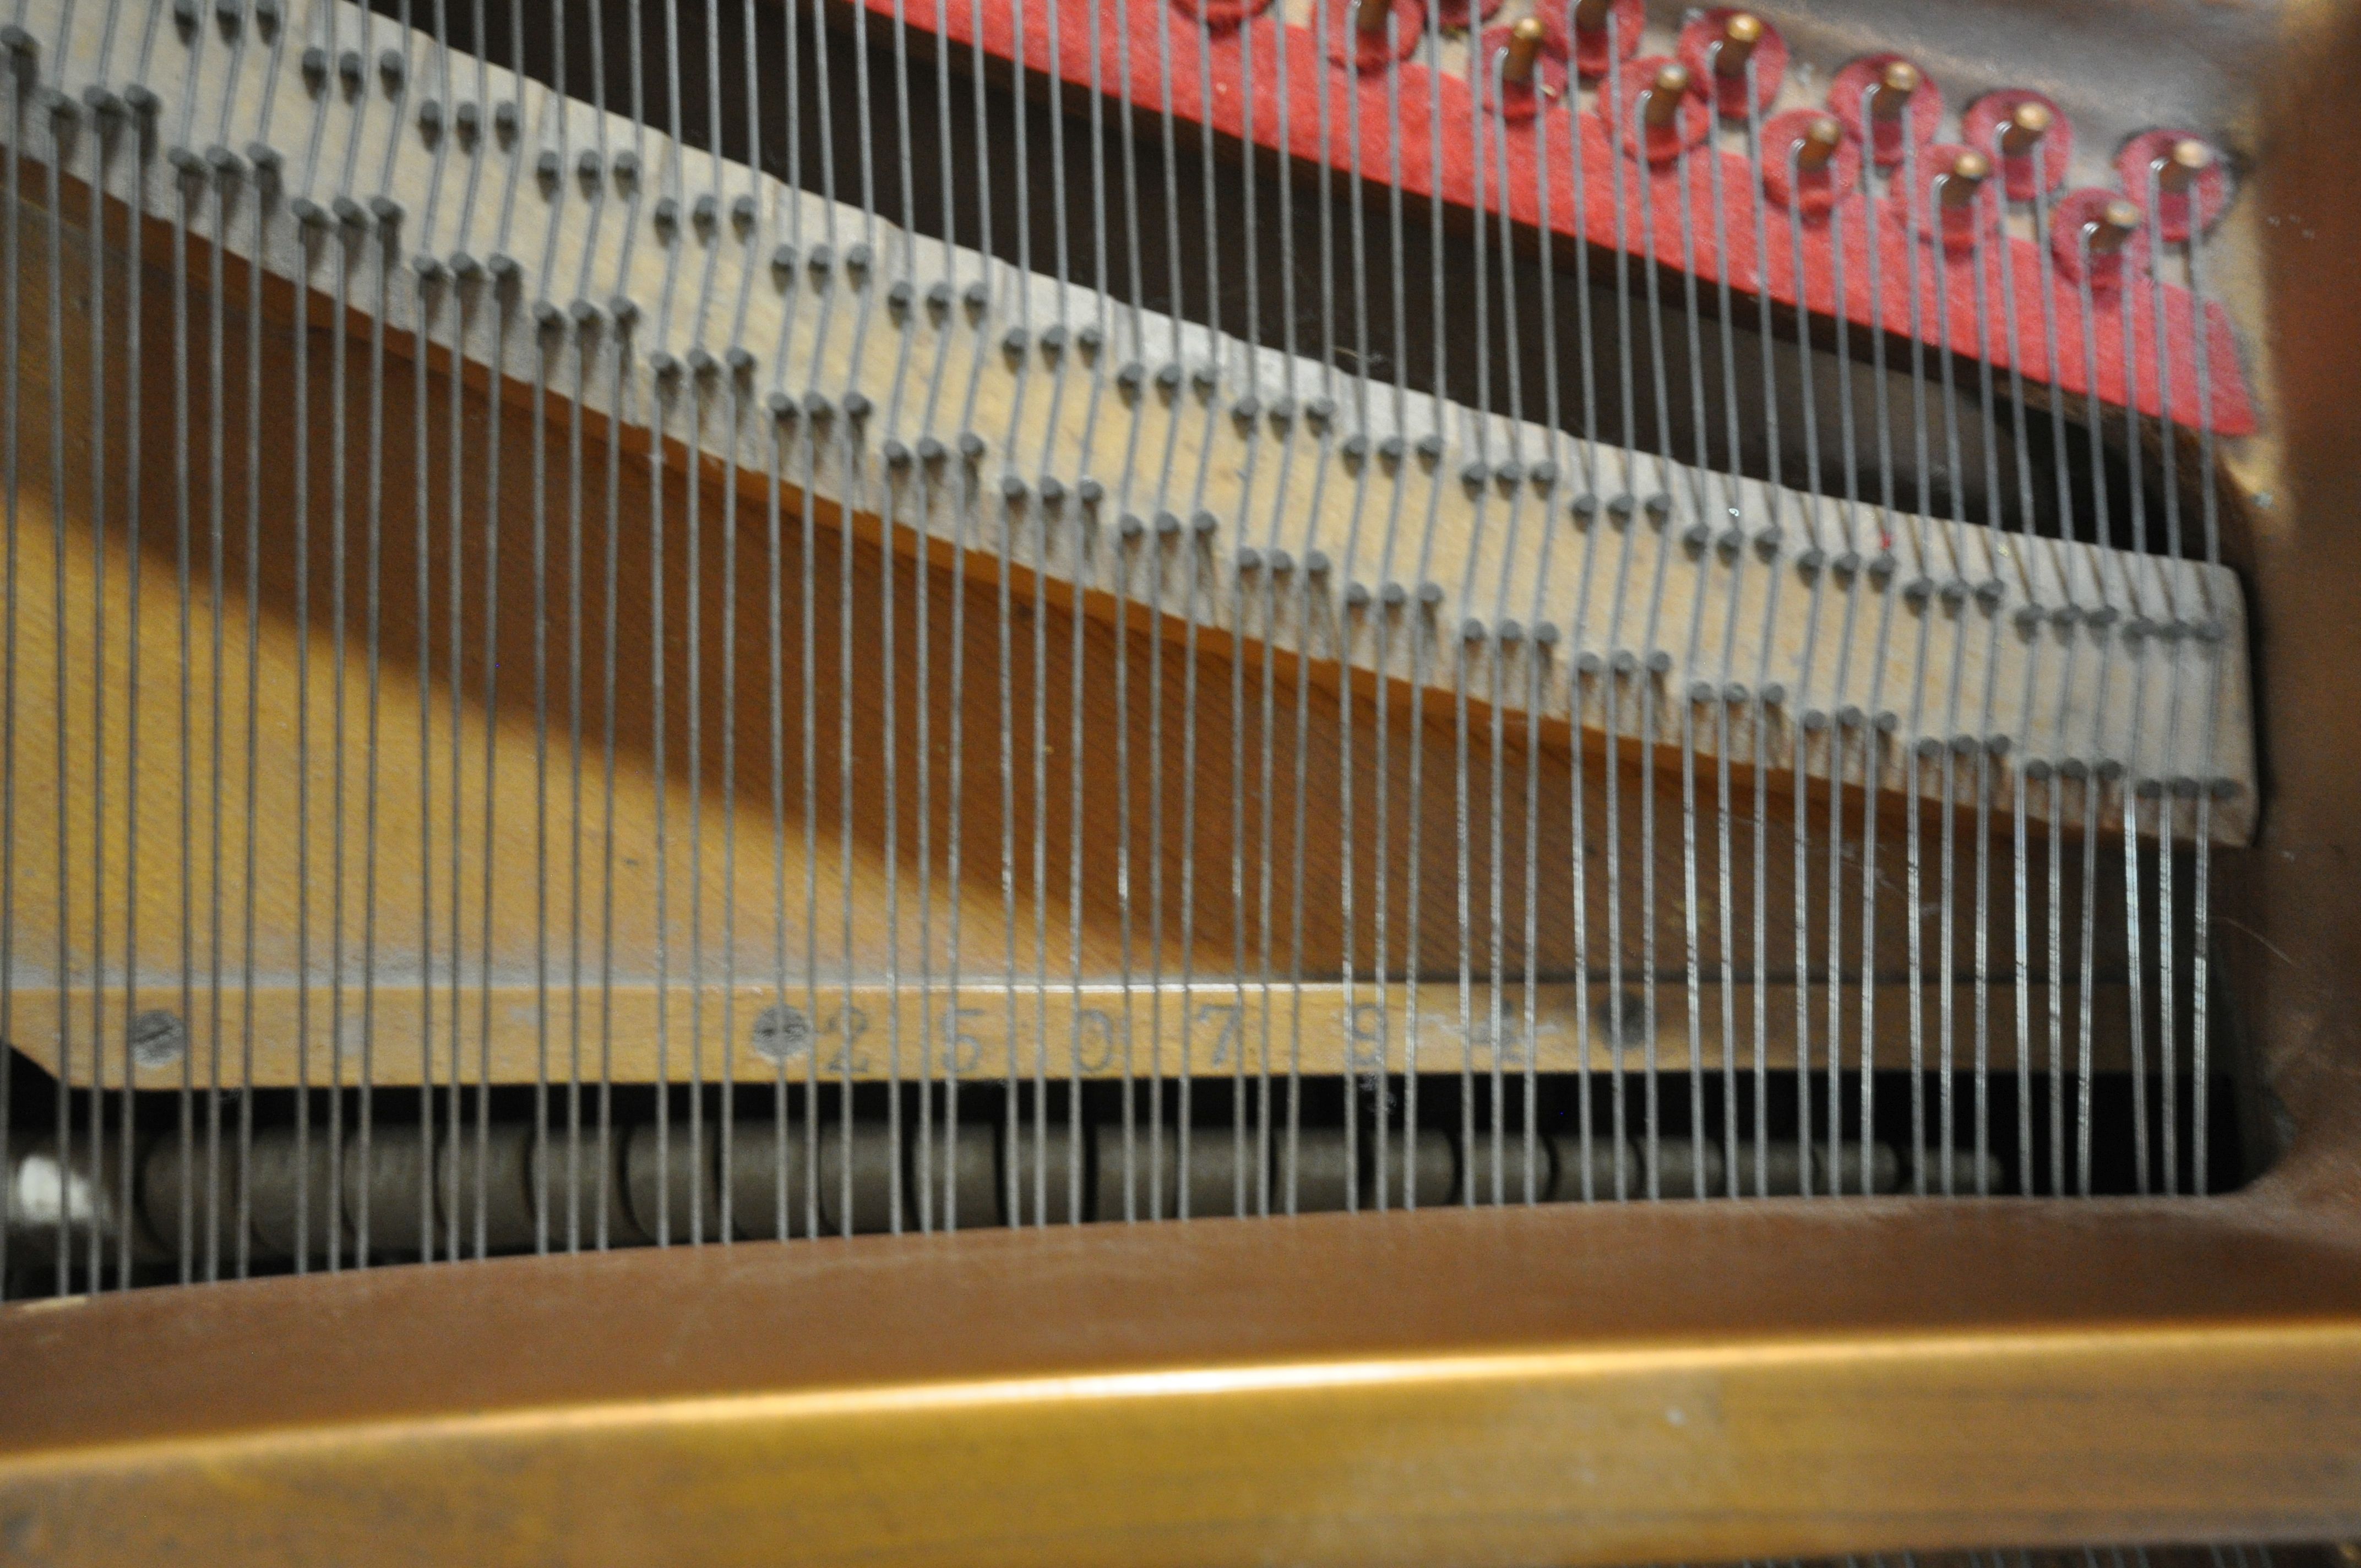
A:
1590, 16
1369, 16
1739, 35
1524, 51
1666, 91
1896, 85
1821, 140
2116, 222
1965, 179
2024, 129
2188, 159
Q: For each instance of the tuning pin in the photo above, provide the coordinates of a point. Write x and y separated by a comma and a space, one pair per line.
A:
1665, 90
1809, 161
1740, 32
1738, 56
1369, 35
1896, 84
1524, 51
2023, 130
1605, 33
1964, 180
1887, 104
2181, 165
1820, 139
2182, 174
2097, 235
2112, 224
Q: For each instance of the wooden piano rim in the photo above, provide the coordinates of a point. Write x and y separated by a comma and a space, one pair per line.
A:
1618, 1383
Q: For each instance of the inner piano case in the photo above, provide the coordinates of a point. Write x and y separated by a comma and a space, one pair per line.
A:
1140, 781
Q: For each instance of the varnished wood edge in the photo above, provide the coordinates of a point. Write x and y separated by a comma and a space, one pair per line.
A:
1618, 1384
1551, 1455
